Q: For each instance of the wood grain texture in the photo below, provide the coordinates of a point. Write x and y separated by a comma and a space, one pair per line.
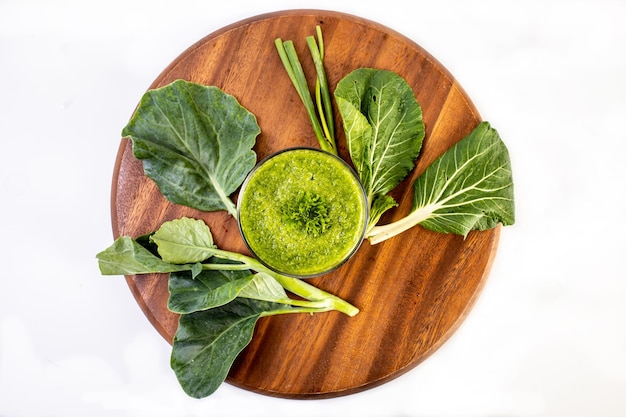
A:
413, 290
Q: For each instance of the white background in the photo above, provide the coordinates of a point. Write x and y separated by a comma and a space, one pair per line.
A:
547, 336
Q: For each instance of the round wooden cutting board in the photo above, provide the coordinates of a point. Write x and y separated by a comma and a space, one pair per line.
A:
413, 291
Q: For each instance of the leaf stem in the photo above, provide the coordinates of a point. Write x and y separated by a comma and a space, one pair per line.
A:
231, 208
322, 92
293, 285
379, 234
321, 116
311, 310
225, 267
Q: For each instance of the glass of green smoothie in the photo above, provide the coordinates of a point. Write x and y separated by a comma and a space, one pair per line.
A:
302, 212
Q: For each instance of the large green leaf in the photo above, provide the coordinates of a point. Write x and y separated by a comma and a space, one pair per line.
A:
383, 125
470, 187
184, 240
211, 288
207, 343
127, 257
195, 143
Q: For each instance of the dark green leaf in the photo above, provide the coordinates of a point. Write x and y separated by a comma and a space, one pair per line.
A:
211, 288
195, 142
127, 257
207, 343
470, 187
383, 125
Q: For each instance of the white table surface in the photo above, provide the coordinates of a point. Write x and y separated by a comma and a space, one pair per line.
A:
547, 336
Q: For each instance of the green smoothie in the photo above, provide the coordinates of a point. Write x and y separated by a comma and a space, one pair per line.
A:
302, 212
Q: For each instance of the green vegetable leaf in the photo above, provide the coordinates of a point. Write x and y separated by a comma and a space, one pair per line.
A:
380, 205
127, 257
211, 288
384, 128
265, 288
195, 143
470, 187
184, 240
207, 343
